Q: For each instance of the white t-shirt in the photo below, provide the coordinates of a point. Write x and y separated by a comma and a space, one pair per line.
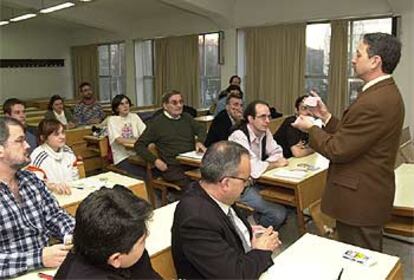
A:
54, 167
130, 126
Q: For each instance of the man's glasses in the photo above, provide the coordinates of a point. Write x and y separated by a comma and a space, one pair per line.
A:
249, 182
264, 117
175, 102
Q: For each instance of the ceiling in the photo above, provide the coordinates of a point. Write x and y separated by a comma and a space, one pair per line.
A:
108, 15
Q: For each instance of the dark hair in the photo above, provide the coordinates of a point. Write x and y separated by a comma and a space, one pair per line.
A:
220, 160
300, 100
52, 100
387, 46
251, 109
233, 95
117, 100
9, 103
5, 122
84, 84
166, 96
47, 127
233, 77
229, 89
109, 221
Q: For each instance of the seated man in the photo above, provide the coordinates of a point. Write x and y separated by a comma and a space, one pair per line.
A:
30, 215
210, 239
109, 238
220, 128
173, 132
293, 141
265, 154
15, 109
221, 102
88, 110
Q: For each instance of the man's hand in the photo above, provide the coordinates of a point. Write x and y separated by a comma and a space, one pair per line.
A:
53, 256
268, 240
303, 123
279, 163
200, 148
160, 165
320, 111
59, 188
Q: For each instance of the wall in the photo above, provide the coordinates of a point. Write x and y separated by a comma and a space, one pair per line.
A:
33, 41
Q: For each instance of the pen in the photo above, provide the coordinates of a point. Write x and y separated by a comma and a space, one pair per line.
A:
79, 188
340, 274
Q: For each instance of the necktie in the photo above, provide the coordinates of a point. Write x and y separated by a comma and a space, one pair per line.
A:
231, 217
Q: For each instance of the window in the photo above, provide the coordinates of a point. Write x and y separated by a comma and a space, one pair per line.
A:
318, 37
144, 72
356, 29
209, 68
111, 70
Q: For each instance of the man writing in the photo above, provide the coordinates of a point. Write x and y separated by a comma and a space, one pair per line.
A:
30, 215
362, 146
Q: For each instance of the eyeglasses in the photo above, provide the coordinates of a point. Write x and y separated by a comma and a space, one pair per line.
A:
249, 182
175, 102
264, 117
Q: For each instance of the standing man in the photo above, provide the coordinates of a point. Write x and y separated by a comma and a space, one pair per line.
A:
173, 132
15, 108
362, 146
210, 239
29, 213
265, 154
88, 110
220, 128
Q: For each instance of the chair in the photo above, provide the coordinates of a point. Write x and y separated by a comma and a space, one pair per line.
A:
405, 135
324, 224
81, 169
154, 182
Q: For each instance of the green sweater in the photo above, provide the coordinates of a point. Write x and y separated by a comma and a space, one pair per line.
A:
171, 137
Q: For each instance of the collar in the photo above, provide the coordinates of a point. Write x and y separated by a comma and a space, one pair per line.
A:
56, 155
375, 81
222, 205
59, 115
171, 117
233, 121
253, 136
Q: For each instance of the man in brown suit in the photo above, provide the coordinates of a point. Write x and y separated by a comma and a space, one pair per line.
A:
362, 146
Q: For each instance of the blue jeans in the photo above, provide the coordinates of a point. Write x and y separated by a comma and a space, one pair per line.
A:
266, 213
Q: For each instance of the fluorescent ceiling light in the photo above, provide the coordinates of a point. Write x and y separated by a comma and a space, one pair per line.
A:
57, 7
23, 17
4, 22
85, 0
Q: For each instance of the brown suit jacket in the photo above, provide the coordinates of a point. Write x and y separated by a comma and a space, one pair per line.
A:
362, 148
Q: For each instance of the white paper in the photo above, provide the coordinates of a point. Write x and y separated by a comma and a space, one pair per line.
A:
193, 154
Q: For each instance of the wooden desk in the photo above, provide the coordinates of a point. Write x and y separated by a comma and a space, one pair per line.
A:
299, 193
98, 144
93, 183
316, 258
202, 111
158, 244
205, 121
402, 221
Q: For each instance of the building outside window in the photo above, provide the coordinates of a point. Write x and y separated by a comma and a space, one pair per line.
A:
112, 70
318, 36
209, 68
